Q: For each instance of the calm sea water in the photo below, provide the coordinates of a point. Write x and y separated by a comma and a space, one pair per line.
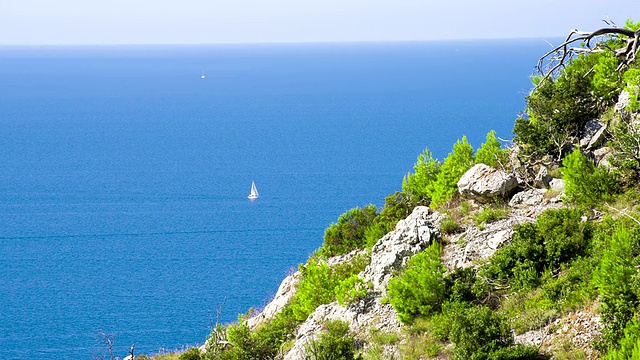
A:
124, 176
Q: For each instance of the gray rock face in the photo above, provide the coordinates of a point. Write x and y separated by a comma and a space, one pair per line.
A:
361, 319
557, 185
484, 183
475, 244
392, 251
623, 102
542, 178
286, 292
602, 156
592, 134
529, 197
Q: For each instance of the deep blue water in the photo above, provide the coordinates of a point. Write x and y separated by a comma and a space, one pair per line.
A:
123, 175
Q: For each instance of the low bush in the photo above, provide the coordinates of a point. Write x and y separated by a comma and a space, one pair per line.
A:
450, 226
350, 290
491, 152
617, 281
420, 289
454, 166
335, 344
478, 331
557, 237
490, 214
586, 184
316, 287
349, 232
191, 354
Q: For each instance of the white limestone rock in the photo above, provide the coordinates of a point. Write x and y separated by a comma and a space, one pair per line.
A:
371, 314
593, 134
529, 197
412, 235
484, 183
286, 292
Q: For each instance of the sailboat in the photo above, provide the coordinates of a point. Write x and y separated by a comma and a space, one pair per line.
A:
254, 192
202, 76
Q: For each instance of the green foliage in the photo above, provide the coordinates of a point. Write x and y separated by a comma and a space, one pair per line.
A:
629, 345
478, 331
606, 82
631, 25
632, 86
320, 284
450, 226
586, 184
396, 207
490, 214
558, 109
335, 344
617, 282
557, 237
454, 166
191, 354
491, 153
420, 289
349, 232
462, 286
315, 288
350, 290
419, 184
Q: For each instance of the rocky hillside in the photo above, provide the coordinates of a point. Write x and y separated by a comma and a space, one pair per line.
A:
524, 250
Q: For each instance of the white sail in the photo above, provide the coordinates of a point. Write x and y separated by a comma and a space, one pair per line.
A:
254, 192
202, 76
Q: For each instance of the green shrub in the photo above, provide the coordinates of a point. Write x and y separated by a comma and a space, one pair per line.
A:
396, 207
616, 279
420, 288
191, 354
557, 237
450, 226
349, 232
557, 110
419, 185
350, 290
586, 184
454, 166
316, 287
632, 86
478, 331
491, 152
629, 346
461, 285
335, 344
490, 214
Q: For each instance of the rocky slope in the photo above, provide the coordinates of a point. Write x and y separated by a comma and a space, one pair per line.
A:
412, 235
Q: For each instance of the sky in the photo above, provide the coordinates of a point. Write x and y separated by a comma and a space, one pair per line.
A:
110, 22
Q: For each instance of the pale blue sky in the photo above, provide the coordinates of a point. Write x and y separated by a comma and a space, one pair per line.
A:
31, 22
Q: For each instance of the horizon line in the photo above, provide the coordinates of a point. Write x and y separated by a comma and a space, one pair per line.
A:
267, 43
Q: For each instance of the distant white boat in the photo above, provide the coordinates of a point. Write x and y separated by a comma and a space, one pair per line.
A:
254, 192
202, 76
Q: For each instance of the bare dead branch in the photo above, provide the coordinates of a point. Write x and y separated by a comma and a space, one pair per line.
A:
594, 41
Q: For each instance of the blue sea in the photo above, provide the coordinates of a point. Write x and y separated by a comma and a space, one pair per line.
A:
124, 176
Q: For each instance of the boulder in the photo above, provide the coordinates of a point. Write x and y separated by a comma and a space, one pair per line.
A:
557, 185
593, 134
484, 183
623, 102
602, 155
361, 319
542, 178
529, 197
392, 251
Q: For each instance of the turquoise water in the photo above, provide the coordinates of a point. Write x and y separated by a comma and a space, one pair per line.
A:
124, 176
